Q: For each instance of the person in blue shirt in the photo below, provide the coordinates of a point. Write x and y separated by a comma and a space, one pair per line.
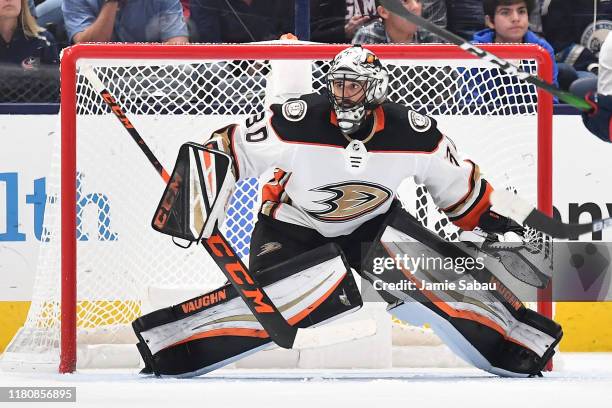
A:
22, 41
125, 21
508, 22
50, 12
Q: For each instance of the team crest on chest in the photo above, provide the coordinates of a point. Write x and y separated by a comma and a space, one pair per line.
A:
419, 123
349, 200
294, 111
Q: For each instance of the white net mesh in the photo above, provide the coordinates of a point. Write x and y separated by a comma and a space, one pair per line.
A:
122, 261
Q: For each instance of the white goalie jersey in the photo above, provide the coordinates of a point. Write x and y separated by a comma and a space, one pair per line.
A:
329, 182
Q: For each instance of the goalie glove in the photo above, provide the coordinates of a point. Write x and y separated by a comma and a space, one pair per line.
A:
525, 254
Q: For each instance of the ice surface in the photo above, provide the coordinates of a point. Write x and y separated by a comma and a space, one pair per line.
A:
580, 380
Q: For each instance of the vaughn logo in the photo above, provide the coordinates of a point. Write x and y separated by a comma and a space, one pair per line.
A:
203, 301
349, 200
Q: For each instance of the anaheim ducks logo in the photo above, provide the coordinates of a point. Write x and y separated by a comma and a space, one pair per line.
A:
349, 200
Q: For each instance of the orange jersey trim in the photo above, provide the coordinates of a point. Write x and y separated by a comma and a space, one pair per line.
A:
469, 220
273, 189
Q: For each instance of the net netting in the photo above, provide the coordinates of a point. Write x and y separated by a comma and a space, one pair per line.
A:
124, 268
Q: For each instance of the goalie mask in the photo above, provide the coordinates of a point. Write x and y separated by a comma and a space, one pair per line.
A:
356, 83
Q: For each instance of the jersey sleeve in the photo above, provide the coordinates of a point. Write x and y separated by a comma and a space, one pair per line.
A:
604, 84
456, 185
252, 144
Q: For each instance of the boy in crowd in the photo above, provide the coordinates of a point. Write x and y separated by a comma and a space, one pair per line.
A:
508, 22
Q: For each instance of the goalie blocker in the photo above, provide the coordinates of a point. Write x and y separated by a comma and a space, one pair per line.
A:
217, 328
194, 200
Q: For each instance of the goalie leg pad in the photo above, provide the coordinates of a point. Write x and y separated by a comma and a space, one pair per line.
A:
487, 328
484, 346
215, 329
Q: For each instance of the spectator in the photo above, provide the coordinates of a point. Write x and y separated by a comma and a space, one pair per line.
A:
599, 120
49, 16
125, 20
186, 9
50, 12
576, 33
238, 21
187, 17
574, 22
337, 21
32, 8
390, 28
535, 18
465, 17
22, 41
508, 22
434, 11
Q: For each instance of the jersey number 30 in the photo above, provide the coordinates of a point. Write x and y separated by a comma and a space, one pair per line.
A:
260, 133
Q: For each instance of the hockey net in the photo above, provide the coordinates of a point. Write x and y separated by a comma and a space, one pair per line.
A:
120, 268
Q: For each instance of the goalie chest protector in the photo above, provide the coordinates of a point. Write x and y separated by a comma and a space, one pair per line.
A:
311, 120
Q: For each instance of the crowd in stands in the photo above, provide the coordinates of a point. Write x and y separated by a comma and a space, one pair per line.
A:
33, 31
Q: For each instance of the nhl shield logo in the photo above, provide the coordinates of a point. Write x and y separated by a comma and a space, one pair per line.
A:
294, 111
419, 123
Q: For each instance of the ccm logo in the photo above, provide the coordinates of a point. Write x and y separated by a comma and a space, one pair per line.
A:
117, 110
161, 218
238, 273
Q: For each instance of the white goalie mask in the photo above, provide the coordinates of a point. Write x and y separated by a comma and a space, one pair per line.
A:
356, 83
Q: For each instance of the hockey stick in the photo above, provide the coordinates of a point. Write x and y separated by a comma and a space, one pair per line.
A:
510, 205
280, 331
396, 7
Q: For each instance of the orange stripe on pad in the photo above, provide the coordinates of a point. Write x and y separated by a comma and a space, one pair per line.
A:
300, 316
224, 332
207, 165
260, 333
451, 311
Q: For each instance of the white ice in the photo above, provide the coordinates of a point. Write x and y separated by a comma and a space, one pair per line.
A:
580, 380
